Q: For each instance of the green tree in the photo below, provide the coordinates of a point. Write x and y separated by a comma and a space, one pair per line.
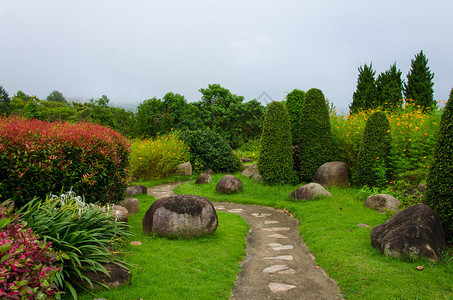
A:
294, 101
275, 162
315, 134
390, 88
56, 96
365, 95
5, 102
372, 161
439, 194
420, 83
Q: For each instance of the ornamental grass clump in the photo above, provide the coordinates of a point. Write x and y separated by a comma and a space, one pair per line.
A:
439, 195
275, 162
26, 263
38, 157
373, 165
84, 235
158, 157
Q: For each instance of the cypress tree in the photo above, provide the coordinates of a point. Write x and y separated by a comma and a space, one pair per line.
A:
439, 194
294, 101
315, 135
372, 162
365, 95
390, 88
419, 85
275, 162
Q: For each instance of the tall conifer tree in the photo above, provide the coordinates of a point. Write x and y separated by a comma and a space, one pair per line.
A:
366, 94
420, 83
390, 88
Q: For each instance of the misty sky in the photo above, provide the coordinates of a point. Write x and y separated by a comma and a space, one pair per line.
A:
135, 50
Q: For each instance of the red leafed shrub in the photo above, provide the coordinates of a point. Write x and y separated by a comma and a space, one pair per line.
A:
38, 157
26, 270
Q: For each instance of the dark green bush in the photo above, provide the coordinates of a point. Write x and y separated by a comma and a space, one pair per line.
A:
294, 101
439, 194
275, 162
38, 157
211, 151
372, 162
315, 141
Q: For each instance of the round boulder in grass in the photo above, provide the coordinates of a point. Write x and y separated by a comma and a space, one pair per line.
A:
131, 204
309, 192
382, 203
180, 216
203, 178
229, 184
135, 190
332, 173
119, 213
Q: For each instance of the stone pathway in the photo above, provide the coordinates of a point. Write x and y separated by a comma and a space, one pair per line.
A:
278, 265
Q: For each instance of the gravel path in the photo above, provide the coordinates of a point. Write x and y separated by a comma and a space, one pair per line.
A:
278, 265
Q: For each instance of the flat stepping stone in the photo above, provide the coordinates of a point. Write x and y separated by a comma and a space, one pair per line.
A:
280, 287
283, 247
262, 215
236, 210
364, 225
288, 272
278, 236
275, 268
276, 229
270, 222
281, 257
219, 207
274, 244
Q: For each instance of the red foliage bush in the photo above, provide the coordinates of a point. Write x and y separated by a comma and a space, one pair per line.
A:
38, 157
26, 269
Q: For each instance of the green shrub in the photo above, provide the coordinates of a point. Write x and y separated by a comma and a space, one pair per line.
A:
315, 135
294, 102
157, 158
275, 162
439, 194
372, 164
38, 157
85, 235
210, 150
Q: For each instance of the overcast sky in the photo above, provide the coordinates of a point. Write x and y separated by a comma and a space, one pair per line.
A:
137, 49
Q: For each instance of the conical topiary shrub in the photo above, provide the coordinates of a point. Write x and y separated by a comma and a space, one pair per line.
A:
372, 162
294, 102
315, 140
275, 162
439, 194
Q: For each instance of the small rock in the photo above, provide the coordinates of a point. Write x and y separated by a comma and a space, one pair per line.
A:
203, 178
363, 225
119, 213
229, 184
135, 190
136, 243
184, 169
420, 268
309, 192
246, 160
382, 202
131, 204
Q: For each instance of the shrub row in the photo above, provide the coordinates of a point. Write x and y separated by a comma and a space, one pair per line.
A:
38, 157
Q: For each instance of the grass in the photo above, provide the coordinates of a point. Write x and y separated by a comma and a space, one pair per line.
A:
329, 228
200, 268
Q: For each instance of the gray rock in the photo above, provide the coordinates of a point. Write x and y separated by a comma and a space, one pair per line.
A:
209, 171
117, 276
382, 203
136, 190
119, 213
184, 169
229, 184
422, 188
131, 204
309, 192
414, 232
251, 172
180, 216
203, 178
334, 173
246, 160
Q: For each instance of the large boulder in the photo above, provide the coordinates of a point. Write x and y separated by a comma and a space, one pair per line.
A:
131, 204
117, 276
203, 178
382, 203
136, 190
414, 232
180, 216
229, 184
332, 173
251, 172
309, 192
184, 169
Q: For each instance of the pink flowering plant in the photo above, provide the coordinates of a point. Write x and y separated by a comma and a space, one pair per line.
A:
26, 263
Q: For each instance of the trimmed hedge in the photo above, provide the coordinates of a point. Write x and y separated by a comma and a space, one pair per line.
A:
38, 157
439, 194
210, 150
315, 140
294, 102
372, 162
275, 162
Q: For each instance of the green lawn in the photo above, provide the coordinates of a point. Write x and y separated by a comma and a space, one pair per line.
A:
329, 228
202, 268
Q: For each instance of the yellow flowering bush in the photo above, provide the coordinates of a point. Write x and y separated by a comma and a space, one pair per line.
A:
157, 157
